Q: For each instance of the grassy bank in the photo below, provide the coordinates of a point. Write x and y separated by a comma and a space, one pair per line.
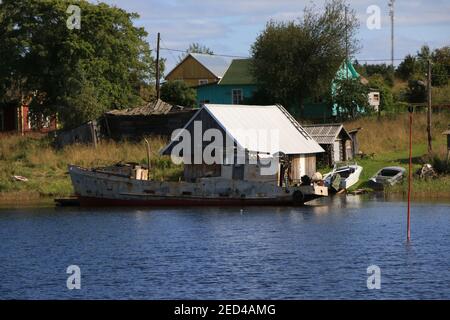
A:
46, 168
388, 140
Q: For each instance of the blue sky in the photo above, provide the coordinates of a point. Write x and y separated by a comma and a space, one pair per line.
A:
230, 27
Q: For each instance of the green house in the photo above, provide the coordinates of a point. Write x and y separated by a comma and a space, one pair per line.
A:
318, 108
236, 85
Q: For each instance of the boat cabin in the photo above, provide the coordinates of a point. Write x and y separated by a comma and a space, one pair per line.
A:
241, 142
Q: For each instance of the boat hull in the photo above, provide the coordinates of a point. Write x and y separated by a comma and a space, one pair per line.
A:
102, 189
347, 182
104, 202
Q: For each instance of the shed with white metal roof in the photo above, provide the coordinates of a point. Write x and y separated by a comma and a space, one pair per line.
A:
265, 130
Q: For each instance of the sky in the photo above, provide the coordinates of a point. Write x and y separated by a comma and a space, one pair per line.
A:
230, 27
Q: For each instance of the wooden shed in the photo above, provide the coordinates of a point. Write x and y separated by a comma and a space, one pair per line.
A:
335, 140
237, 123
154, 118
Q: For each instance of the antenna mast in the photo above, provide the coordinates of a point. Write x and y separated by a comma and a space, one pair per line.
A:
392, 14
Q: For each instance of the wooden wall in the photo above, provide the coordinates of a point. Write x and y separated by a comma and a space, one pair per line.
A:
191, 71
195, 171
310, 164
136, 127
302, 165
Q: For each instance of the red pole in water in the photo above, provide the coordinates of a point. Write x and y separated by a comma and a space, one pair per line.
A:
411, 110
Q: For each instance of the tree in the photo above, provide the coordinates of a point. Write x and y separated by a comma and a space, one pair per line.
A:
299, 59
80, 72
178, 93
351, 98
407, 68
381, 69
416, 91
196, 48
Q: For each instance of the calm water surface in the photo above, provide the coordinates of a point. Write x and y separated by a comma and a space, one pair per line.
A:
319, 252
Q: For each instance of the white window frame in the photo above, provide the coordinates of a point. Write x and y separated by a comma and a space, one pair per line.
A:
202, 82
233, 91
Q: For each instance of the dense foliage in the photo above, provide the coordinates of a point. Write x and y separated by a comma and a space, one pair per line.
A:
78, 73
351, 98
299, 59
178, 93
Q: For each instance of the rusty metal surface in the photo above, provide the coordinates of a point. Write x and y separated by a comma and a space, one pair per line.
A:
108, 186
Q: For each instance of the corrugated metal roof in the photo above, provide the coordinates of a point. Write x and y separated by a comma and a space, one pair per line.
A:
157, 107
216, 64
325, 133
236, 120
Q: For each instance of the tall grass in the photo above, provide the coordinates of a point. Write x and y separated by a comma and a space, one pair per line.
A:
46, 168
391, 134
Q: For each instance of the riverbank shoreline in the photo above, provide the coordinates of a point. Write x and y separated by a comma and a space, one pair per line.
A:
33, 200
45, 168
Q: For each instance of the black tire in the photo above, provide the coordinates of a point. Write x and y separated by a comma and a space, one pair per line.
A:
298, 197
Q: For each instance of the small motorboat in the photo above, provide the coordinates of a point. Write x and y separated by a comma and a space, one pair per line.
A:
388, 176
343, 176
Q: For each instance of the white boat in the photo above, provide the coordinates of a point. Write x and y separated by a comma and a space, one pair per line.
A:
346, 174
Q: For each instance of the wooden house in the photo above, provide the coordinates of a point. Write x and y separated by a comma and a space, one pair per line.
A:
17, 118
199, 69
335, 140
236, 125
236, 86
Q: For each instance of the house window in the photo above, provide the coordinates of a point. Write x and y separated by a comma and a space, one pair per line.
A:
237, 96
376, 97
202, 82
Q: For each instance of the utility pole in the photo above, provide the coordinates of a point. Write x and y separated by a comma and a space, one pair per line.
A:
392, 14
430, 146
410, 176
346, 43
158, 94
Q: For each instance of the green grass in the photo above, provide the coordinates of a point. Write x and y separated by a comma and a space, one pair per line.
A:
433, 188
46, 168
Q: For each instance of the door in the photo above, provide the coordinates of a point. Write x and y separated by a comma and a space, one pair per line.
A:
337, 151
238, 172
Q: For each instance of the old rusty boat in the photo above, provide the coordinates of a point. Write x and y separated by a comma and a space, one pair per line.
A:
243, 181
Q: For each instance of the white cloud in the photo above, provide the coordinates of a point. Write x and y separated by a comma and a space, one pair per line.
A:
230, 27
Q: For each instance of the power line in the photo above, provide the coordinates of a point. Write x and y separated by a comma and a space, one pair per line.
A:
171, 53
211, 54
398, 59
165, 48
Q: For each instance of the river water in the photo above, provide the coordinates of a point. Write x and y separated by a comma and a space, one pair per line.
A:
314, 252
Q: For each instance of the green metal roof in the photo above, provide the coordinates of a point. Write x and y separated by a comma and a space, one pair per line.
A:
239, 73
